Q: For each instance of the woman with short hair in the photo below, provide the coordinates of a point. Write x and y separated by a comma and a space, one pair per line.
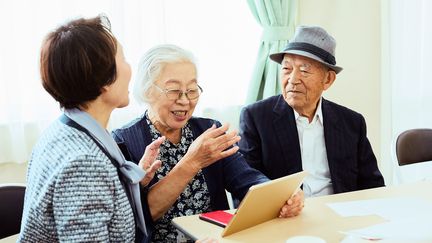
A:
79, 185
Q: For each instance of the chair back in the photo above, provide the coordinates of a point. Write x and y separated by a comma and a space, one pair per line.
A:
11, 209
414, 146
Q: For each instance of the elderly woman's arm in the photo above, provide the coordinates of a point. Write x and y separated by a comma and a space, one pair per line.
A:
209, 147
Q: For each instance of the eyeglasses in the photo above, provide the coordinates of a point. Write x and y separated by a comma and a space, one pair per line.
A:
175, 94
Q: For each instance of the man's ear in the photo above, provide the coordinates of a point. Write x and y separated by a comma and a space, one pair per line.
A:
329, 79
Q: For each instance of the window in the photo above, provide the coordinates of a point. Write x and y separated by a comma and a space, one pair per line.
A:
223, 35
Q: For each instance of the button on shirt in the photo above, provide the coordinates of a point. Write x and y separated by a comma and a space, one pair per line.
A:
314, 154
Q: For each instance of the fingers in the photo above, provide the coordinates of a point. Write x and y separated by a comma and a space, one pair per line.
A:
148, 162
151, 153
299, 195
297, 198
218, 139
290, 211
150, 172
214, 132
221, 138
212, 145
294, 205
222, 146
153, 167
227, 140
229, 152
155, 144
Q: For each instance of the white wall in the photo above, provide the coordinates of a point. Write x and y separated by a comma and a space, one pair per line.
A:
356, 26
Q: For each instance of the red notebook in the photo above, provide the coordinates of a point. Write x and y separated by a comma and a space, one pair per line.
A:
220, 217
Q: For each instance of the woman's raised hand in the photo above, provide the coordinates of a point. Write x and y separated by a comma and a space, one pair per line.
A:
214, 144
149, 162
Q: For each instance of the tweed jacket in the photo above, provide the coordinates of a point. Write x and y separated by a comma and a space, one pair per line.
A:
74, 192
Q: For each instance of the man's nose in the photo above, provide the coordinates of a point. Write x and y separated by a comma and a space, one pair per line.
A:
294, 77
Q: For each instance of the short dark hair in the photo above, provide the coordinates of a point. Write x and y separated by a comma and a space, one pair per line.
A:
77, 60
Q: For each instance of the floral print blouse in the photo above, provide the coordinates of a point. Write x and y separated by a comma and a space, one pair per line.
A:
194, 199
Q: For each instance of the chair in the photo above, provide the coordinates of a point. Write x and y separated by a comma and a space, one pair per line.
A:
11, 209
414, 146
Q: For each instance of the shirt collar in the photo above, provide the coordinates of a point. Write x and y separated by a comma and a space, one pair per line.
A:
318, 113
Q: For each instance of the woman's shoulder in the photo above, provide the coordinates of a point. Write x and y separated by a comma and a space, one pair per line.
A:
62, 148
65, 139
64, 143
131, 127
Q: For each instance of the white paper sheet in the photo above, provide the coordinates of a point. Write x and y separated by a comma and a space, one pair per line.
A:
408, 219
408, 230
388, 208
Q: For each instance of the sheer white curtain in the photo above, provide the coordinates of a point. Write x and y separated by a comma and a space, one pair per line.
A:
222, 35
410, 75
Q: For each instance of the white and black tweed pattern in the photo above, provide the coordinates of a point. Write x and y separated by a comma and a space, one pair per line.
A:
73, 192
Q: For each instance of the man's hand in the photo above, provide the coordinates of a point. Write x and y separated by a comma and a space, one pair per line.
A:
293, 206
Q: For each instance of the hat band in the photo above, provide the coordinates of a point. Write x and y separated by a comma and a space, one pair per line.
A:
321, 53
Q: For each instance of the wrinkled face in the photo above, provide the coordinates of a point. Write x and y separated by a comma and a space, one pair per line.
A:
303, 80
173, 113
117, 93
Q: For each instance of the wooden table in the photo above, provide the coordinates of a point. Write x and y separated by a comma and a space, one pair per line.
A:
317, 219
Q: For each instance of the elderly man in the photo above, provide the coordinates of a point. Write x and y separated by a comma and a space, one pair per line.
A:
300, 130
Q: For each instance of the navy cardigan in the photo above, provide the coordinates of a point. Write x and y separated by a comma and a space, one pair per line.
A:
231, 173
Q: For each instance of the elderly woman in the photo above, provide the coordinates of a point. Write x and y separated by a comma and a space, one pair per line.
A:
80, 188
199, 156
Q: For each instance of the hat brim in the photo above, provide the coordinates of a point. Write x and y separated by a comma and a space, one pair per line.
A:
278, 57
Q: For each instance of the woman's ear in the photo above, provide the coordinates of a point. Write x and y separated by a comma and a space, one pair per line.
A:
329, 79
148, 95
105, 88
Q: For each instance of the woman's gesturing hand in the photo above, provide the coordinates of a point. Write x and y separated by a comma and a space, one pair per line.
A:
149, 162
214, 144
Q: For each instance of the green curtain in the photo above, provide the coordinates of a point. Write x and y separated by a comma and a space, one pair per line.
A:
277, 17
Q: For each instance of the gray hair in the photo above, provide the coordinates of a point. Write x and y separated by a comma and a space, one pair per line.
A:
151, 65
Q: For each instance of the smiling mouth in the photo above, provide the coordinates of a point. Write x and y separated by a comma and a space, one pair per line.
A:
179, 113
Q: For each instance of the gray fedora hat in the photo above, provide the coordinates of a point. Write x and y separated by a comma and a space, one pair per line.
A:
312, 42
